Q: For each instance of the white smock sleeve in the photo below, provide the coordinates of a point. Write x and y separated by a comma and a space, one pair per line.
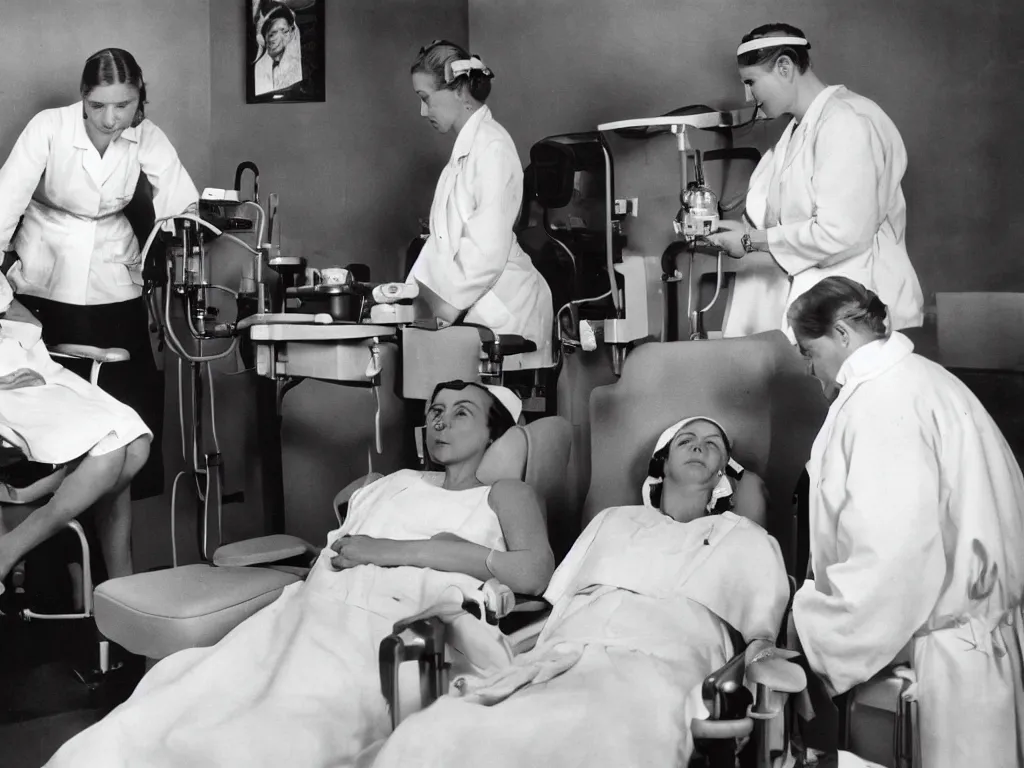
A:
486, 242
20, 175
847, 183
173, 190
890, 566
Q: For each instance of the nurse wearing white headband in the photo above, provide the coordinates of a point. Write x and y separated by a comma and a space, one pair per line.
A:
471, 267
826, 200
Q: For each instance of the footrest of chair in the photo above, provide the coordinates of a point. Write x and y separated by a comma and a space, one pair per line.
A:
158, 613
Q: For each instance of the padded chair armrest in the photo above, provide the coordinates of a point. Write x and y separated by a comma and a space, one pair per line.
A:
85, 352
523, 626
777, 673
263, 550
529, 611
724, 693
514, 344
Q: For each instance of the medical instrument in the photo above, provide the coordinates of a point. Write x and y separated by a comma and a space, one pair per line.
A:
189, 283
698, 217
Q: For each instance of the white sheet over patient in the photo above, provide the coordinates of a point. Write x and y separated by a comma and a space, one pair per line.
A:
641, 612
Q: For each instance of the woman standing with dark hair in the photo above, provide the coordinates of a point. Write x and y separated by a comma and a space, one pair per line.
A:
916, 533
471, 264
826, 200
70, 174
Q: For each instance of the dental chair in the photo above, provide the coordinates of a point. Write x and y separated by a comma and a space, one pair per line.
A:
156, 614
758, 388
26, 485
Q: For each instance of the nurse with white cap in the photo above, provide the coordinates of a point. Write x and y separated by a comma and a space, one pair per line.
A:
471, 266
826, 200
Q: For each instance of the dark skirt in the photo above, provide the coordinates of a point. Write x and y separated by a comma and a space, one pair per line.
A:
137, 383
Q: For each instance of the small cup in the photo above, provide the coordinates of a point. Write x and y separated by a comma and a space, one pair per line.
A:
328, 276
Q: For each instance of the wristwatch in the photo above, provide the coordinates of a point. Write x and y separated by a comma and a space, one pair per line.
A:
747, 245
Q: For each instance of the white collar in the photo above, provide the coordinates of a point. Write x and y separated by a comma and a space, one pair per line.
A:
464, 141
874, 358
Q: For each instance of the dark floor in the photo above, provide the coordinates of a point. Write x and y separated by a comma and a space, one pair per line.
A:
43, 699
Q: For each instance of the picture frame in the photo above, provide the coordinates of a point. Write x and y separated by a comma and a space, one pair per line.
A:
290, 66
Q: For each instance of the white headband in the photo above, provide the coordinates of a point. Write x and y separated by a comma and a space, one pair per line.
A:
462, 67
768, 42
724, 487
509, 400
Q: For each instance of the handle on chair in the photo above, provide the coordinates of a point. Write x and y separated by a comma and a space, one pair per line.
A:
421, 640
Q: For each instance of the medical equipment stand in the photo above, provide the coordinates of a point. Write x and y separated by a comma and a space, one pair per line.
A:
630, 322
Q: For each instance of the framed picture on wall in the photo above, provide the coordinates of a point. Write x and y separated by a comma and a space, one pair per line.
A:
284, 51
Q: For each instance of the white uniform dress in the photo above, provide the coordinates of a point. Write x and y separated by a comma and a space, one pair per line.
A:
75, 244
829, 196
917, 536
472, 259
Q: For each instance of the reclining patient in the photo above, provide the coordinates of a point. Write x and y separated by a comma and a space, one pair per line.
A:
53, 416
641, 606
297, 684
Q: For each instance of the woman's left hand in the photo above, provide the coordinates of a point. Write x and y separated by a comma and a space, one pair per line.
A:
362, 550
728, 237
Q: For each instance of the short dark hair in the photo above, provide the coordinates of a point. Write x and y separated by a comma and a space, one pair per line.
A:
114, 66
435, 58
499, 420
815, 313
767, 57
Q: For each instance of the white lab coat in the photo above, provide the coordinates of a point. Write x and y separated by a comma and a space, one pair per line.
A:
830, 199
75, 244
917, 536
472, 259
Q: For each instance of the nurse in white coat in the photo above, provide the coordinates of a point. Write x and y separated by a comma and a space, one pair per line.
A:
916, 533
472, 260
70, 174
826, 200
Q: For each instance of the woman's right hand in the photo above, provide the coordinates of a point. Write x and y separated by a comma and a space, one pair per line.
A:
21, 378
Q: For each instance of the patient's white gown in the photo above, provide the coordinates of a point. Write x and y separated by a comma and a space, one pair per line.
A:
297, 684
641, 608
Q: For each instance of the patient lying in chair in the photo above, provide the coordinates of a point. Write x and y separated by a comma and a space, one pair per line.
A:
297, 684
52, 416
642, 608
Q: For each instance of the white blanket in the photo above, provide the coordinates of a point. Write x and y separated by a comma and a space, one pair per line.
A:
297, 684
641, 608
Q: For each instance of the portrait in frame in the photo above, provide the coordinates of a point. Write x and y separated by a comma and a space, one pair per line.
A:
285, 53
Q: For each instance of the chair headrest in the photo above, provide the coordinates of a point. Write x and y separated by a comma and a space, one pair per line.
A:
538, 454
756, 387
